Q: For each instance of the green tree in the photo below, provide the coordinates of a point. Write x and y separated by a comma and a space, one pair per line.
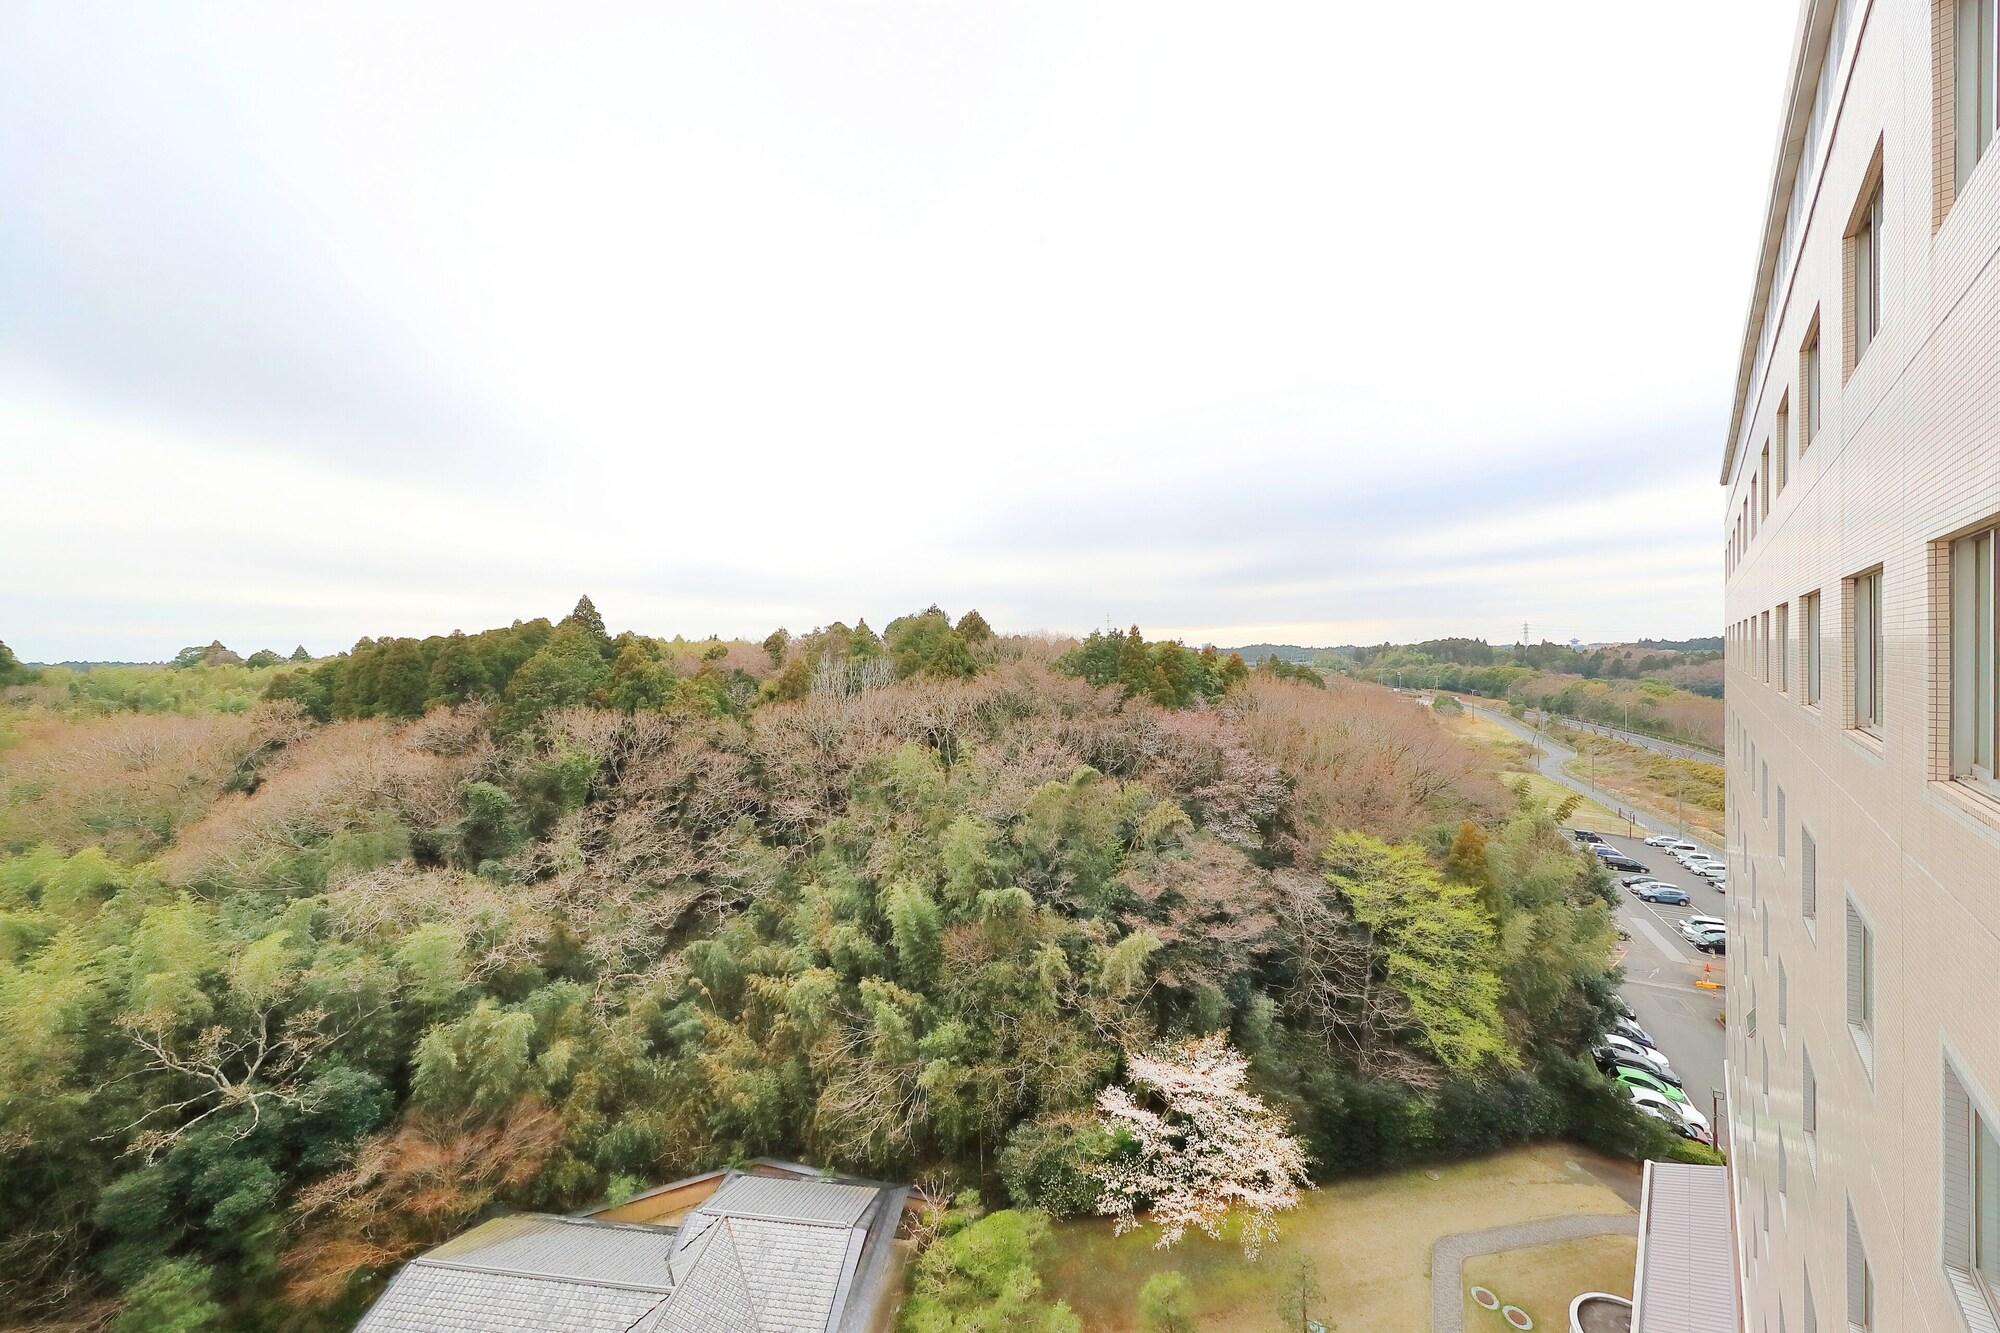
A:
299, 654
982, 1279
11, 670
1299, 1294
262, 658
1166, 1304
775, 644
568, 670
1434, 942
584, 617
171, 1298
455, 671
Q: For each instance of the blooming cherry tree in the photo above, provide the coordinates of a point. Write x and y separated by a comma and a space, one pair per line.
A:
1206, 1145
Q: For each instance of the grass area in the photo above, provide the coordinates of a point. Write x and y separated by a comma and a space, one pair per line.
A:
1370, 1241
1657, 783
1544, 1279
1480, 730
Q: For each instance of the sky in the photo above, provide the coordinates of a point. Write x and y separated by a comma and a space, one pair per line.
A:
1316, 323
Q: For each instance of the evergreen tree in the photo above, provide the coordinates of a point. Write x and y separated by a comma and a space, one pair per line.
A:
585, 618
299, 654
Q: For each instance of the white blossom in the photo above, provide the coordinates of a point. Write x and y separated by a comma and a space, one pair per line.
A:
1206, 1145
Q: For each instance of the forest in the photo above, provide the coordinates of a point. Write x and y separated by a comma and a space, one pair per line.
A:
305, 965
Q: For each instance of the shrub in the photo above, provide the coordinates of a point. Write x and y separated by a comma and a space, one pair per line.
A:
1166, 1304
1048, 1162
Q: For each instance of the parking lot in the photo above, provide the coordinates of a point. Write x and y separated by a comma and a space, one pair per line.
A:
1661, 969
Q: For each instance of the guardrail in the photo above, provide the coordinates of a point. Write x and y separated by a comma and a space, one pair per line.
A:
1679, 749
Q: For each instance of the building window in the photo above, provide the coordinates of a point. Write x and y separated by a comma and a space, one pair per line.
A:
1864, 243
1809, 1095
1784, 634
1784, 1167
1976, 106
1808, 874
1971, 1201
1784, 996
1764, 493
1860, 979
1865, 636
1783, 434
1860, 1281
1809, 386
1764, 647
1784, 843
1764, 792
1810, 1319
1972, 653
1809, 623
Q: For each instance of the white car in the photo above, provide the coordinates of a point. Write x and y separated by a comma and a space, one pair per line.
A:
1632, 1053
1711, 870
1641, 885
1687, 854
1666, 840
1691, 926
1653, 1104
1682, 845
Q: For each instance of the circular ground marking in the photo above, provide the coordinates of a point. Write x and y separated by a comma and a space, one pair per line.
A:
1485, 1299
1516, 1316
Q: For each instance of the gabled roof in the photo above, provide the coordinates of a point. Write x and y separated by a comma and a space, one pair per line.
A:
759, 1255
533, 1271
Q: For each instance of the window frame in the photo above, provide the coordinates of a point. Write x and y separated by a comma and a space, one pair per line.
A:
1783, 640
1864, 651
1973, 577
1809, 629
1864, 243
1810, 385
1975, 102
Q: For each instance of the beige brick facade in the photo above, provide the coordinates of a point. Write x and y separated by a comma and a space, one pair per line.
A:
1905, 456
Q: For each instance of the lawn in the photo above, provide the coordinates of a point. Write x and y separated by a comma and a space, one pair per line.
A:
1544, 1279
1370, 1240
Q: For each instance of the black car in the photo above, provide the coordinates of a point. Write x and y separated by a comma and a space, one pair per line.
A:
1713, 942
1584, 835
1619, 861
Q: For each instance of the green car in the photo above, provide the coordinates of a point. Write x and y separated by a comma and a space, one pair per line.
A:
1639, 1078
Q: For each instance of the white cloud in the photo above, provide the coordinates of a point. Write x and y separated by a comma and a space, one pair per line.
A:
361, 319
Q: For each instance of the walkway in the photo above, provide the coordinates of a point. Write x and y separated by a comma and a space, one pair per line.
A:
1449, 1254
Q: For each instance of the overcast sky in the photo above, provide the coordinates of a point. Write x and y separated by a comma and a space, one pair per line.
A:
1320, 323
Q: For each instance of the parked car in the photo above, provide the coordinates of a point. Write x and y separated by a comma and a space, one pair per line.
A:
1634, 1077
1640, 882
1694, 1124
1682, 845
1720, 883
1691, 926
1615, 1050
1714, 941
1666, 840
1584, 835
1620, 861
1631, 1031
1664, 893
1630, 880
1687, 854
1711, 870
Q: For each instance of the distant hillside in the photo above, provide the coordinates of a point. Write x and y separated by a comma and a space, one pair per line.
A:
1284, 652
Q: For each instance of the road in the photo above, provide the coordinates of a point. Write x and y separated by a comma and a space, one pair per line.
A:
1672, 749
1661, 968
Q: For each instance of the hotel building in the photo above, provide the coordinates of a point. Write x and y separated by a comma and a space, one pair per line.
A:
1862, 469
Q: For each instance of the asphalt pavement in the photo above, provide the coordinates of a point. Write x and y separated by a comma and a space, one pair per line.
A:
1662, 971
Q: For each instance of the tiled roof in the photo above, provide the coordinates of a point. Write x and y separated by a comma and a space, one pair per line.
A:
759, 1256
824, 1202
571, 1248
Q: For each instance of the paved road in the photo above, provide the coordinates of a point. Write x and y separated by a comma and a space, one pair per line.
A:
1449, 1254
1660, 966
1672, 749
